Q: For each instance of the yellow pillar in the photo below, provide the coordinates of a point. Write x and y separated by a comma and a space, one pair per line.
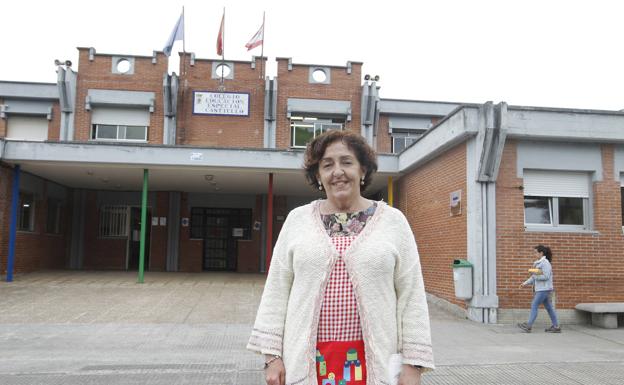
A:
390, 192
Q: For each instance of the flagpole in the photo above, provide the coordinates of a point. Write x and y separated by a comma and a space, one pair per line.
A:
184, 82
262, 49
183, 43
223, 47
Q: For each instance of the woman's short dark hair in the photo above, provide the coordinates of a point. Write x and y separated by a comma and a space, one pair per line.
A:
546, 250
355, 142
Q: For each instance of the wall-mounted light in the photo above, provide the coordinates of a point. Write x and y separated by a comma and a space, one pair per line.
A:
209, 177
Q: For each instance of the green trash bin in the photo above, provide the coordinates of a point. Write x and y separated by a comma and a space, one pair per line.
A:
462, 278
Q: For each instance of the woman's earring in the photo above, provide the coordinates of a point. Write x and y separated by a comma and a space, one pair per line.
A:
362, 181
320, 185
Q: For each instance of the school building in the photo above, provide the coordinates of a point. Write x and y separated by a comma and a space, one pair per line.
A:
217, 150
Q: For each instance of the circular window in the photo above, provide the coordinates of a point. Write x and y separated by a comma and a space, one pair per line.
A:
123, 66
319, 76
223, 71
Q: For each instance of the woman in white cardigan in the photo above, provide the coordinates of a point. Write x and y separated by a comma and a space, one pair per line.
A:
344, 298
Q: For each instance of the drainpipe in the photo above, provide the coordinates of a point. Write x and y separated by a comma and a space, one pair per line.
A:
269, 238
484, 304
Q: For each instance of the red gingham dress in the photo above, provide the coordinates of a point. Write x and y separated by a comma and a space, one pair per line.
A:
339, 319
340, 355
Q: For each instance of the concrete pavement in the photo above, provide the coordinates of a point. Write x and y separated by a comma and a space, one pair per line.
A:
69, 327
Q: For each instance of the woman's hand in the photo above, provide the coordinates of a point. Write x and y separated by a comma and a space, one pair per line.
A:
409, 375
275, 374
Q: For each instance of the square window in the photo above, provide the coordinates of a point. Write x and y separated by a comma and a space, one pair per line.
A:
402, 140
537, 210
105, 131
571, 211
136, 133
306, 128
113, 221
302, 134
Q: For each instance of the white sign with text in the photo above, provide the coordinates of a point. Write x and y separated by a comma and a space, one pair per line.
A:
221, 103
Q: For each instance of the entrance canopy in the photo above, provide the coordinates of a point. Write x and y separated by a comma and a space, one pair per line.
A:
119, 167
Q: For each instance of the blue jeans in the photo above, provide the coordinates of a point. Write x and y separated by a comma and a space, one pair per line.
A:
539, 298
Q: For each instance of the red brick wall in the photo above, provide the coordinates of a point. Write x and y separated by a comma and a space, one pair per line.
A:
587, 266
423, 196
384, 141
249, 250
54, 126
158, 236
97, 74
190, 254
101, 253
222, 131
33, 250
294, 84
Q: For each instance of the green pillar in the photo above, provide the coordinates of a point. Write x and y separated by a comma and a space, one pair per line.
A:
143, 226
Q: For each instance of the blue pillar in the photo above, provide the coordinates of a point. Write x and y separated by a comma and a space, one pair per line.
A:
13, 228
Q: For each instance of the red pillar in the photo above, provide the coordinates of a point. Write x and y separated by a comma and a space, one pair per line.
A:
269, 243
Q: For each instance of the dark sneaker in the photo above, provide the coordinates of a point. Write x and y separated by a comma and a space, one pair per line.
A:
524, 326
553, 329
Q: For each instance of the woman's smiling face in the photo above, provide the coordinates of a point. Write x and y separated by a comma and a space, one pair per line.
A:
340, 173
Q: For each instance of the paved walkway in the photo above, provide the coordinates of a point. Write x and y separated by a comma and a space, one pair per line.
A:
66, 327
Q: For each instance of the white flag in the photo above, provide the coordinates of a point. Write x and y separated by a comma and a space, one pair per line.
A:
176, 34
257, 39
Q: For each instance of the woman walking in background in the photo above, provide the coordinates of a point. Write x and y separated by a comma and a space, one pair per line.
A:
542, 280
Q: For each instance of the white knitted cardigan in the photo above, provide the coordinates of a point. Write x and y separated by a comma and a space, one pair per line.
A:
384, 268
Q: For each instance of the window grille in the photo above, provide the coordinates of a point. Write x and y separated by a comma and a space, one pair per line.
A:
113, 221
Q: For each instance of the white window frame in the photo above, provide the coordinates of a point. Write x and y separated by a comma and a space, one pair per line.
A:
319, 125
556, 184
120, 129
113, 222
412, 136
554, 224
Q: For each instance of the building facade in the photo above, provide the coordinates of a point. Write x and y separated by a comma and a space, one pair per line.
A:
220, 148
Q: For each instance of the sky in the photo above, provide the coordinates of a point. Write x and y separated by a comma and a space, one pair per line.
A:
546, 53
